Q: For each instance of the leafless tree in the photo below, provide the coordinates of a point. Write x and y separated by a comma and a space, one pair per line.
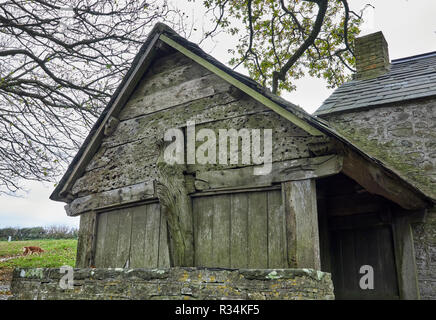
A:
60, 61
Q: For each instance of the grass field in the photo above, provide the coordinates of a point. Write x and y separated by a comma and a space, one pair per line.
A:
56, 253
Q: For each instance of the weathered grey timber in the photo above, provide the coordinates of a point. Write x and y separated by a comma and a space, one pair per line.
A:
135, 236
173, 196
324, 193
87, 241
302, 221
127, 169
107, 199
290, 170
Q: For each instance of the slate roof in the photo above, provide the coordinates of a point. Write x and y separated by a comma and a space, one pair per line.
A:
409, 78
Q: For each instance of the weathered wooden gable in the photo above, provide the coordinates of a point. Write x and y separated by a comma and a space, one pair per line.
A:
174, 91
245, 229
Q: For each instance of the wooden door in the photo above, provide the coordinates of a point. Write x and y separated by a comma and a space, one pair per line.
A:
240, 230
134, 237
356, 242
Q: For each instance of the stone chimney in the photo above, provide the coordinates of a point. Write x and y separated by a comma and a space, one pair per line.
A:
372, 56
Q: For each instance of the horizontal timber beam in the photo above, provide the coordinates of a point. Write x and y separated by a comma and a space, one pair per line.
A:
377, 180
111, 198
290, 170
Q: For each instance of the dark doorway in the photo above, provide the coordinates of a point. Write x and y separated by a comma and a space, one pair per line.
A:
356, 235
354, 247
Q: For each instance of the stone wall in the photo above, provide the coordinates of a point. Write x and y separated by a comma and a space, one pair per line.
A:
174, 283
424, 235
403, 135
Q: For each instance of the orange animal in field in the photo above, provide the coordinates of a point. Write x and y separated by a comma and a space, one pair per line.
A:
32, 250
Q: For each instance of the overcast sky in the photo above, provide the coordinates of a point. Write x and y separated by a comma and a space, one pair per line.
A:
409, 27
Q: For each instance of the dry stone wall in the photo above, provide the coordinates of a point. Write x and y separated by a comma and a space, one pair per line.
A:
174, 283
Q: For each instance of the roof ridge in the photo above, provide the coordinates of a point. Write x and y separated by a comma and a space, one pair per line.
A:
414, 57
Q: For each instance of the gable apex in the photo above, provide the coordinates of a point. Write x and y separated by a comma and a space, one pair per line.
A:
160, 36
163, 40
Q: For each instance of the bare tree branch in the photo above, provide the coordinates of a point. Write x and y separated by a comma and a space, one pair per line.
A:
281, 74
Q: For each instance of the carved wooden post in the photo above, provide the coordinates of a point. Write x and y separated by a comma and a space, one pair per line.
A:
176, 205
302, 224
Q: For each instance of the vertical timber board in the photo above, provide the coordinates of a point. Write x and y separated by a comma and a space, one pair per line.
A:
152, 236
81, 242
137, 246
258, 230
276, 231
351, 269
405, 259
86, 241
130, 238
389, 279
302, 223
164, 254
238, 230
221, 231
111, 239
124, 237
101, 234
203, 213
324, 236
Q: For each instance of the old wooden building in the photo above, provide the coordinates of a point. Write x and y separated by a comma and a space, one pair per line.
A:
325, 204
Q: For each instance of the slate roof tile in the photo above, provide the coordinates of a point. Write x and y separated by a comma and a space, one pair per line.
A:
409, 78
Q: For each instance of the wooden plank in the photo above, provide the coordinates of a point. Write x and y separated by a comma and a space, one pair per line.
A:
221, 231
218, 107
124, 238
276, 231
120, 175
302, 224
172, 76
137, 250
324, 235
387, 271
203, 212
405, 258
290, 170
350, 204
164, 254
152, 236
378, 180
351, 270
107, 199
81, 242
251, 92
86, 241
175, 95
119, 102
337, 263
239, 231
257, 230
168, 62
101, 236
215, 192
111, 239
